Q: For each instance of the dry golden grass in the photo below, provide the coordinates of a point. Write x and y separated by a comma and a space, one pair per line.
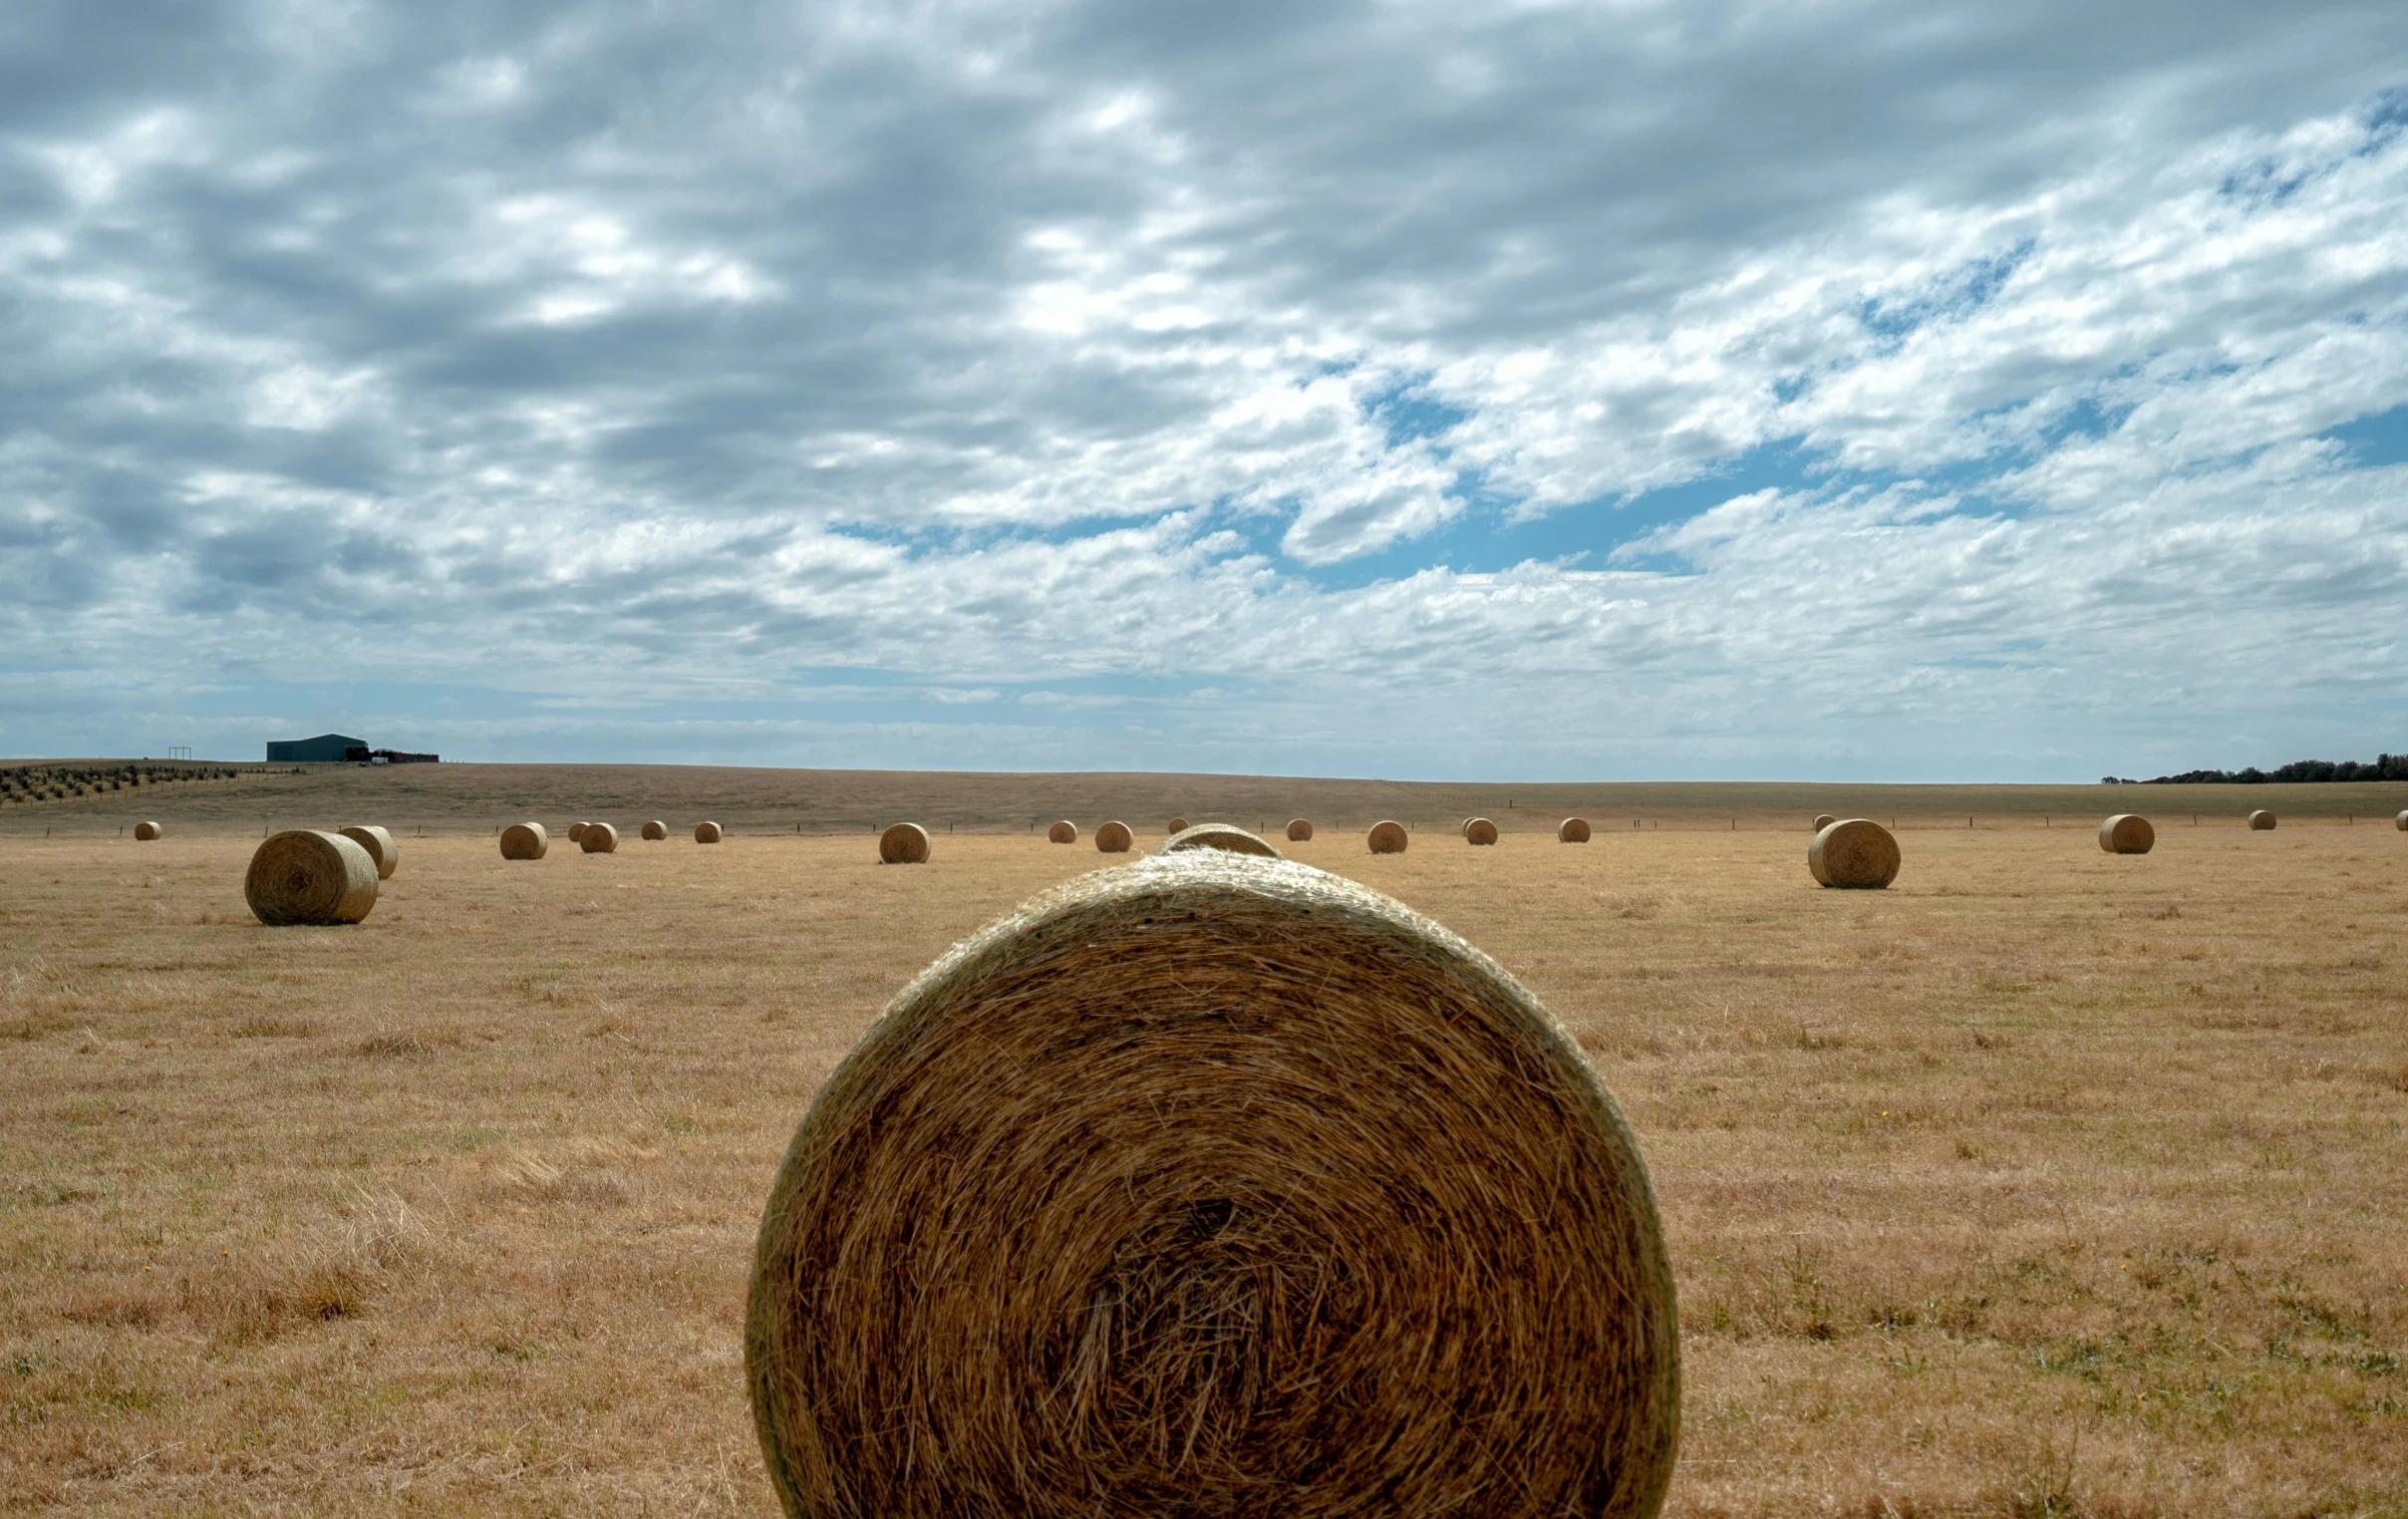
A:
2044, 1183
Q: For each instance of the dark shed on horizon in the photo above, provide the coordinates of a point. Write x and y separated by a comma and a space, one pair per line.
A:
326, 748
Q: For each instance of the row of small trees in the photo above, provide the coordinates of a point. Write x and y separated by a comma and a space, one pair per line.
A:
2384, 767
56, 783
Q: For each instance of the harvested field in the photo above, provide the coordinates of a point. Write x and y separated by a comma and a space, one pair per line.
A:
2047, 1181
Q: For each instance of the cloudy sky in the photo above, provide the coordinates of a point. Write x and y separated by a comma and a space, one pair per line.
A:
1690, 389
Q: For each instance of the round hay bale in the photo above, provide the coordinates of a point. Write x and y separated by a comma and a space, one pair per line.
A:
708, 833
1388, 837
576, 831
656, 831
1299, 829
380, 846
1114, 838
2400, 822
1214, 1185
599, 838
147, 831
1573, 831
1858, 853
1479, 831
1064, 832
1227, 836
2262, 821
2127, 833
304, 876
903, 844
524, 841
1178, 825
1823, 820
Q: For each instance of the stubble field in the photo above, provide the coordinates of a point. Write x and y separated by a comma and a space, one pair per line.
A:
2046, 1182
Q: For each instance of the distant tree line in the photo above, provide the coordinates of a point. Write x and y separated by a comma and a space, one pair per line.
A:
2384, 767
58, 782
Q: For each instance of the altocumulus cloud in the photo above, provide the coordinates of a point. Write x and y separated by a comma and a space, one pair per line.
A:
1865, 389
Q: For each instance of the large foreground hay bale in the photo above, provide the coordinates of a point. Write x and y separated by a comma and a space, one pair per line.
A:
708, 833
1299, 829
1213, 1185
1479, 831
1114, 838
524, 841
1823, 820
1858, 853
380, 846
2127, 833
2400, 822
576, 831
1178, 825
305, 876
1227, 836
903, 844
599, 838
656, 831
2262, 821
1388, 837
1573, 831
1064, 832
147, 831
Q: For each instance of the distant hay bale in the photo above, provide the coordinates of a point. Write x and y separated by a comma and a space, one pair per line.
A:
903, 844
147, 831
1858, 855
2262, 821
380, 846
1214, 1185
1178, 825
2127, 833
1064, 832
1299, 829
1388, 837
709, 834
1823, 820
304, 876
1479, 831
1227, 836
656, 831
1114, 838
599, 838
524, 841
1573, 831
576, 831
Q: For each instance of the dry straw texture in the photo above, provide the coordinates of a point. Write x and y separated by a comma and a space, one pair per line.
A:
1227, 836
1573, 831
1479, 831
1064, 832
656, 831
380, 846
1388, 837
1213, 1186
1114, 838
708, 833
903, 844
2127, 833
151, 831
304, 876
1178, 825
524, 841
599, 838
2263, 821
1858, 855
1299, 829
576, 831
1823, 820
